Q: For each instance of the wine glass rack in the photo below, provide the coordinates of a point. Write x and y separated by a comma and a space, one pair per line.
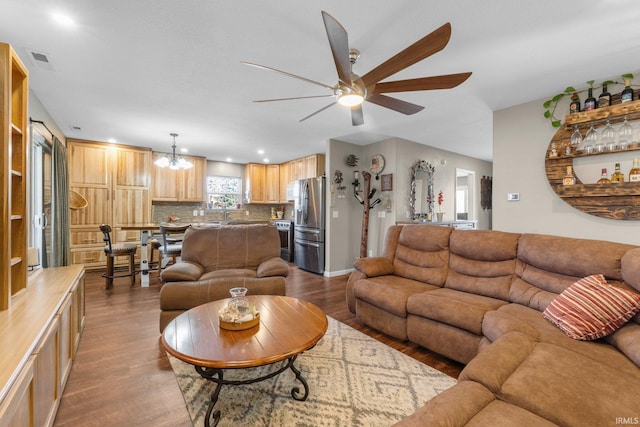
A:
619, 201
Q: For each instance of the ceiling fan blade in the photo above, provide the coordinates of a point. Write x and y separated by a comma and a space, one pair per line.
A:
357, 118
264, 67
318, 111
292, 98
395, 104
339, 42
447, 81
426, 46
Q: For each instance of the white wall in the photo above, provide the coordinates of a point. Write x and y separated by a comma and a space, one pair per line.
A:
344, 231
521, 137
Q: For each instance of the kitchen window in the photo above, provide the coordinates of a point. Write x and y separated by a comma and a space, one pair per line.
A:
224, 192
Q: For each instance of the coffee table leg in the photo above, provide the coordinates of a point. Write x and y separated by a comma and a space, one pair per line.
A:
215, 375
211, 374
295, 391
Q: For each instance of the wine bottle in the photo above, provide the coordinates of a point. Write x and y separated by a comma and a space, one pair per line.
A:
590, 102
617, 176
634, 173
604, 100
574, 107
604, 178
569, 179
627, 93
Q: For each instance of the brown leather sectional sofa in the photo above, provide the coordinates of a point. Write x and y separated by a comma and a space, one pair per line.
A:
216, 259
477, 297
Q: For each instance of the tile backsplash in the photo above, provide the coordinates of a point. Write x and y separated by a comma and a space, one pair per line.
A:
162, 210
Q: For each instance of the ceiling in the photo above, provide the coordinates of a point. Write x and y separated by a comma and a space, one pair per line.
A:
135, 71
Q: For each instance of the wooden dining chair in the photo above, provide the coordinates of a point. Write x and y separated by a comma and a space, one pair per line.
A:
115, 250
171, 243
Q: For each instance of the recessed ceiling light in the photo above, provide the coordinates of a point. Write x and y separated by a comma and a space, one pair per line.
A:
184, 150
112, 140
63, 19
229, 159
260, 151
265, 160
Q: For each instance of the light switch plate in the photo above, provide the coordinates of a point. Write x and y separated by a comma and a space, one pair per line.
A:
335, 214
513, 197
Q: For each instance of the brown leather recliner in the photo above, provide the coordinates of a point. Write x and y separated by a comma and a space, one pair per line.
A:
216, 259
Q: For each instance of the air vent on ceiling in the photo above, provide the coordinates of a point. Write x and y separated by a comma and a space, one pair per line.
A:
40, 59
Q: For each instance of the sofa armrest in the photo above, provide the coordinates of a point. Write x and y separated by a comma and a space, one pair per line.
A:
273, 267
182, 271
375, 266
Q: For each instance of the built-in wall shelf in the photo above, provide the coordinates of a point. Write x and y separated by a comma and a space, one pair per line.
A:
620, 201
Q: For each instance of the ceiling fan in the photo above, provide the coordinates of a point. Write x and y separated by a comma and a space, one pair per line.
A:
352, 90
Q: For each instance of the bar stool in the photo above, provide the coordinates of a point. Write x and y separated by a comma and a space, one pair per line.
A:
171, 246
112, 251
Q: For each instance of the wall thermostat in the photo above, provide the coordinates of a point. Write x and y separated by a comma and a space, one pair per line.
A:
513, 197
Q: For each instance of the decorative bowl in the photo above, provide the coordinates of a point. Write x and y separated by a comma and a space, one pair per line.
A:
239, 326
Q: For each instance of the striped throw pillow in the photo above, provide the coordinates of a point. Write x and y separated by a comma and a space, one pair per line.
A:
591, 308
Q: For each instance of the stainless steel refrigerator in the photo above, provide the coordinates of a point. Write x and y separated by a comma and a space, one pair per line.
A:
310, 221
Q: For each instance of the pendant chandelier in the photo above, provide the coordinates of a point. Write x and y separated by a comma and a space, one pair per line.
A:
173, 162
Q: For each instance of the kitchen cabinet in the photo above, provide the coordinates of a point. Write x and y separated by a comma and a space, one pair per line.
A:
115, 180
14, 95
285, 179
262, 183
313, 165
272, 184
182, 185
619, 201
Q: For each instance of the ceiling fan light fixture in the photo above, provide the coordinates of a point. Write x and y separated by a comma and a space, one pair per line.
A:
350, 99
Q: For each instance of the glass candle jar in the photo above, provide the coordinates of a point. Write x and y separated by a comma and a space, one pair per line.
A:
239, 300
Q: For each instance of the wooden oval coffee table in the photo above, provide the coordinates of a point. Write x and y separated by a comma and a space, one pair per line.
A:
287, 327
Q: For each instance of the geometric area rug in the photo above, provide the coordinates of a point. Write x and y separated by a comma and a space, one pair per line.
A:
354, 380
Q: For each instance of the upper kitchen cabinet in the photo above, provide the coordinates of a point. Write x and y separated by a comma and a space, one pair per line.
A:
182, 185
14, 94
313, 166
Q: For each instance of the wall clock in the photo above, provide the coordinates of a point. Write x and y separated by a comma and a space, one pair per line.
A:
377, 164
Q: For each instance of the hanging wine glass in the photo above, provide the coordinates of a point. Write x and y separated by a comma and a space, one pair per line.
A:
590, 139
576, 136
576, 139
607, 138
625, 135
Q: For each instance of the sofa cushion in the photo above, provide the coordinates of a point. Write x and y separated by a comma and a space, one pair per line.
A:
422, 253
555, 383
627, 340
547, 265
591, 308
482, 262
231, 246
518, 318
631, 268
460, 309
273, 267
389, 292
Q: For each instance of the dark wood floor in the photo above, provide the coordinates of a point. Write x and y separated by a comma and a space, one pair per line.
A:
121, 375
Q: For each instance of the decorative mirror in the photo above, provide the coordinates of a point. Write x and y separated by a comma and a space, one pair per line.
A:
421, 192
465, 180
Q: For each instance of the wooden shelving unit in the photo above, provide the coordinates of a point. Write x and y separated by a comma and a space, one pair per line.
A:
14, 95
614, 201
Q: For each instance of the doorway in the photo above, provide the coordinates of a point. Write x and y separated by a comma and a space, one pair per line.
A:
41, 236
